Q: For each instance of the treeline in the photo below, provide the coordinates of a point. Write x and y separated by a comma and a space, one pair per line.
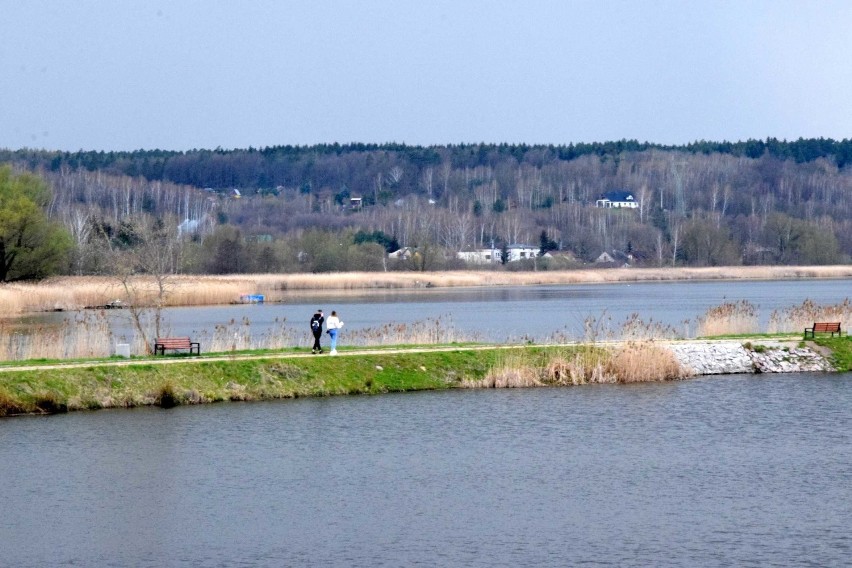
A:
285, 165
706, 203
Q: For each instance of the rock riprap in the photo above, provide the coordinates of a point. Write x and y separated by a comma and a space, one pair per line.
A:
796, 360
728, 357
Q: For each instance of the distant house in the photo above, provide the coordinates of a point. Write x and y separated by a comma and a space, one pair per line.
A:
489, 255
521, 252
356, 203
605, 258
193, 226
402, 254
480, 256
188, 227
617, 200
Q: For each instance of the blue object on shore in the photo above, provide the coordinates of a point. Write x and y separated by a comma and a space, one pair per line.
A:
251, 298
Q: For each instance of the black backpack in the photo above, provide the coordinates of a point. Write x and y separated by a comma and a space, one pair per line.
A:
315, 324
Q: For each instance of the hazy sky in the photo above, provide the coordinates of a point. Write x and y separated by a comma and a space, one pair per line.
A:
125, 75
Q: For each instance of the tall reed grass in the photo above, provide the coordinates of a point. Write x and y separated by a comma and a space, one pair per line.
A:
729, 318
644, 361
633, 362
797, 318
89, 335
76, 292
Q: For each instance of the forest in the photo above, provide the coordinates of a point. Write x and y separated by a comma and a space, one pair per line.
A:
334, 207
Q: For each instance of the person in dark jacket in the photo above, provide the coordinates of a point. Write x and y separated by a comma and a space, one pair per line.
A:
316, 328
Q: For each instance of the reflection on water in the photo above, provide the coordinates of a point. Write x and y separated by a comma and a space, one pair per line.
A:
741, 470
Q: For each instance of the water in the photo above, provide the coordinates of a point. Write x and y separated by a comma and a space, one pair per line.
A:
508, 313
722, 471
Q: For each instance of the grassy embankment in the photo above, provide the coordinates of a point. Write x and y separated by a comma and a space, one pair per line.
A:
61, 388
841, 351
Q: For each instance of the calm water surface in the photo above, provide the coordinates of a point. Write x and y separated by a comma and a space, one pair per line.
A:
723, 471
506, 313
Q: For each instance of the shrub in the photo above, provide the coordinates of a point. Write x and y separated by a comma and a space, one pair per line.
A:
166, 397
10, 405
50, 403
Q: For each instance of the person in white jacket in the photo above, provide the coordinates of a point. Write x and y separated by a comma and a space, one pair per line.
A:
332, 326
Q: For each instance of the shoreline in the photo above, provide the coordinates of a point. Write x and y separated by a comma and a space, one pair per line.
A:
71, 293
172, 381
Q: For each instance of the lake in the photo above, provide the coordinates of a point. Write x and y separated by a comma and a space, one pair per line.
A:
499, 314
724, 471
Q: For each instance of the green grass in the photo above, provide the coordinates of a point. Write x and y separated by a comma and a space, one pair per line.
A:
841, 348
146, 382
198, 381
752, 336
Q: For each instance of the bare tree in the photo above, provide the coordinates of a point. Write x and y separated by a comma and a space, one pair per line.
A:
426, 181
675, 238
395, 175
458, 230
145, 273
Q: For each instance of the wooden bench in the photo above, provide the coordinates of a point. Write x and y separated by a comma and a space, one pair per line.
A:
176, 343
823, 327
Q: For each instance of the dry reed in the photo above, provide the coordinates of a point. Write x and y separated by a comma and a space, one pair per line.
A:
797, 318
636, 329
76, 292
644, 361
581, 367
566, 367
511, 371
633, 362
729, 318
88, 334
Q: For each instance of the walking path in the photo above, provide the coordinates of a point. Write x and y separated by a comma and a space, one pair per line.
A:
703, 357
247, 357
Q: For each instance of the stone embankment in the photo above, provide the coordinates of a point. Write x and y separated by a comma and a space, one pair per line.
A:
728, 357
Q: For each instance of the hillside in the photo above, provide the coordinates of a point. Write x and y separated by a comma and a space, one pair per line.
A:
343, 207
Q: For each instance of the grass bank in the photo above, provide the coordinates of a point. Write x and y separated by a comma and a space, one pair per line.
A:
60, 388
841, 351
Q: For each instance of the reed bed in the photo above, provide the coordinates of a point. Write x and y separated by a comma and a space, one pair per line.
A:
633, 328
729, 318
632, 362
76, 292
644, 361
88, 334
797, 318
431, 331
237, 335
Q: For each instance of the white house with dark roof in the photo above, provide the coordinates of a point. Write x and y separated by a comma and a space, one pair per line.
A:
617, 200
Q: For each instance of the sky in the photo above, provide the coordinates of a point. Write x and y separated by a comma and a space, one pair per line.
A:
178, 75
